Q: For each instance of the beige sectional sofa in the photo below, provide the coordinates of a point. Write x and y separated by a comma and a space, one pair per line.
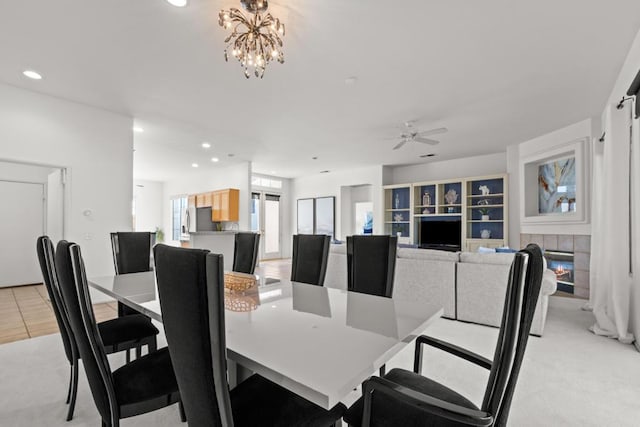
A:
470, 286
481, 286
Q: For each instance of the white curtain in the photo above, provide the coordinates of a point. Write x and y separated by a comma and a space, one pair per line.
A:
614, 289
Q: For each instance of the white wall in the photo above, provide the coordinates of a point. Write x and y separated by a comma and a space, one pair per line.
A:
200, 181
23, 172
95, 145
548, 142
149, 204
489, 164
329, 184
349, 196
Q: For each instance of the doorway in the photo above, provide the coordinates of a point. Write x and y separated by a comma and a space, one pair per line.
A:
266, 219
22, 221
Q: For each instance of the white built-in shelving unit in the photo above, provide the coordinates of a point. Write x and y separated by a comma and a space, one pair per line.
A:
483, 217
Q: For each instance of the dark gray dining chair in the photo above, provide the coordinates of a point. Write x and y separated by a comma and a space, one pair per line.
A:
245, 252
371, 263
409, 399
121, 334
194, 322
309, 261
142, 386
131, 254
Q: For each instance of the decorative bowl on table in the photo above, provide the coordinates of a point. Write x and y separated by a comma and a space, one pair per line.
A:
241, 302
239, 281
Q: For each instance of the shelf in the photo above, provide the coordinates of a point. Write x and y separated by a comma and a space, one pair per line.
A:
457, 205
474, 196
484, 206
424, 206
427, 215
399, 209
397, 222
491, 220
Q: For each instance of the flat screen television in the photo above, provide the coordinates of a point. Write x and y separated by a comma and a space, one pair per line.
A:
445, 234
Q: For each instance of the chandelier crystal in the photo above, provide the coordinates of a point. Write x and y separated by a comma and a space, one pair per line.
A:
255, 40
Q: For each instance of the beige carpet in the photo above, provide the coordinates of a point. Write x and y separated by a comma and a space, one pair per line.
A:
570, 377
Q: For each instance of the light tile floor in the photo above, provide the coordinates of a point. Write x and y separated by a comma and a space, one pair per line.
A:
26, 312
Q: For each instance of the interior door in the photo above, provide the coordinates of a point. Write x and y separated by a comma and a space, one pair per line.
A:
21, 222
266, 218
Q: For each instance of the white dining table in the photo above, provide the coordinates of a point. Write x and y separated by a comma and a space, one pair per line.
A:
316, 341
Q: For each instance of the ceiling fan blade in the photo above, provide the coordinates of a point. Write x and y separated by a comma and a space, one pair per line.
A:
400, 144
426, 140
433, 132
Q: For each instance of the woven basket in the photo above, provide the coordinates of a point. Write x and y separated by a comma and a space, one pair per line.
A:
241, 303
238, 282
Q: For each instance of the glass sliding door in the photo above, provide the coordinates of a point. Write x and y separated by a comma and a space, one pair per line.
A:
266, 219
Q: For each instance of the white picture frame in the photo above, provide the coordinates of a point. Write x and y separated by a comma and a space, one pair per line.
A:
529, 184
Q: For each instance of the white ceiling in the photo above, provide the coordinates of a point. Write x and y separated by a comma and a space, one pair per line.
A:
495, 72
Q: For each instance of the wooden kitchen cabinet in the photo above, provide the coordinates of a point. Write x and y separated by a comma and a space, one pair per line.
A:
225, 205
204, 200
192, 201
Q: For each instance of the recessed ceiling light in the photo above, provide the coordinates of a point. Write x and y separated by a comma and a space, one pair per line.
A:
32, 74
194, 165
215, 159
350, 81
314, 158
206, 145
177, 3
324, 171
138, 129
428, 155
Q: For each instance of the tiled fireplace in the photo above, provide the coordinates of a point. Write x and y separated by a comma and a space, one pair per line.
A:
569, 256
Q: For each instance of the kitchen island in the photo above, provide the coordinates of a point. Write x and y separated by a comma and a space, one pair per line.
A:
218, 242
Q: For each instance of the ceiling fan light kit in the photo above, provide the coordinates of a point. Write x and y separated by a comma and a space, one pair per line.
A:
256, 40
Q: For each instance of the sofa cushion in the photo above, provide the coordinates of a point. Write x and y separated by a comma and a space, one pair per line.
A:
336, 276
477, 258
338, 249
428, 254
549, 282
428, 281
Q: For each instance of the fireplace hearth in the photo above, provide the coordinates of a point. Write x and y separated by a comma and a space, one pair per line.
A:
562, 264
572, 278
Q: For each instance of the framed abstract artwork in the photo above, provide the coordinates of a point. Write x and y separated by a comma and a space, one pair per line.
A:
557, 186
554, 188
306, 216
325, 216
317, 216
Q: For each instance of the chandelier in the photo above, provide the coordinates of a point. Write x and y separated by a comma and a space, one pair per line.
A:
255, 40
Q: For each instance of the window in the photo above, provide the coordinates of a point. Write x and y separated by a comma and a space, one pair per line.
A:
265, 182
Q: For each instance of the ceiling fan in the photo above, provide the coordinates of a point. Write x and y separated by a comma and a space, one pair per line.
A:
411, 134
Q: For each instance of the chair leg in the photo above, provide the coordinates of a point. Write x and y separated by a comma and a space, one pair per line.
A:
152, 345
183, 415
115, 423
128, 357
70, 384
73, 390
383, 370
